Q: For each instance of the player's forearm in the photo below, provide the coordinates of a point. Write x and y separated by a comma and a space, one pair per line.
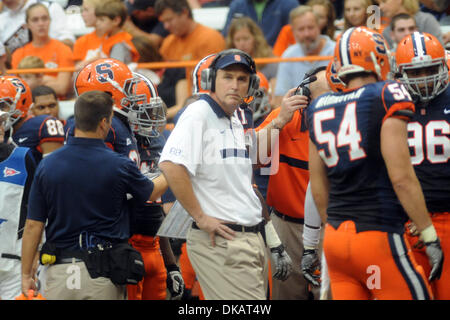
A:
160, 186
181, 186
319, 181
166, 251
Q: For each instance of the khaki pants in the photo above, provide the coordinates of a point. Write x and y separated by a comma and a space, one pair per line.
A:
233, 269
71, 281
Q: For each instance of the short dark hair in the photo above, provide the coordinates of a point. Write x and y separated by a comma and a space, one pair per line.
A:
42, 91
400, 16
176, 6
90, 108
112, 9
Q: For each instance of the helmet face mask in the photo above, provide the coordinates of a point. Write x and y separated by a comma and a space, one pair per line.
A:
146, 113
260, 104
422, 66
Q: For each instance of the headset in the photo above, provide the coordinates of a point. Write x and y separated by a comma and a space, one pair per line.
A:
208, 76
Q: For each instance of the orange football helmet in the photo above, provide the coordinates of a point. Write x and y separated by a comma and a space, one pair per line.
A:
420, 52
333, 80
197, 73
108, 75
147, 115
359, 50
448, 62
15, 99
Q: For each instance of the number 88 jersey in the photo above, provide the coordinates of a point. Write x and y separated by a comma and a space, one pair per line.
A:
38, 130
429, 143
345, 127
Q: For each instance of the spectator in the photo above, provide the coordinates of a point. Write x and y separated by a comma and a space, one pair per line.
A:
401, 25
87, 48
324, 10
270, 15
196, 4
116, 43
326, 14
33, 79
188, 40
54, 53
309, 43
355, 13
45, 102
142, 21
425, 22
13, 24
244, 34
101, 220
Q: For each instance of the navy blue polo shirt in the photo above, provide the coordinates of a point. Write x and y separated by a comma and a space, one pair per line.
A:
83, 186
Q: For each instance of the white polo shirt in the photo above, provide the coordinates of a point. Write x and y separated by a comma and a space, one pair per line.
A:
212, 148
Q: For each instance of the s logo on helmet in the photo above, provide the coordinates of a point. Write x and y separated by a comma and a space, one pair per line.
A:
104, 70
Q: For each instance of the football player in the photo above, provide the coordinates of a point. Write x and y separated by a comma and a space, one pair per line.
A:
17, 170
147, 120
42, 134
422, 68
362, 179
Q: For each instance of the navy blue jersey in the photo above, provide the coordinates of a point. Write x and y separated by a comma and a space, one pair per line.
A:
346, 127
83, 187
429, 142
119, 139
38, 130
245, 115
146, 218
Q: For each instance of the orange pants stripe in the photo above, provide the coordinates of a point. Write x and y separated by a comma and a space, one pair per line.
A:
372, 265
153, 286
440, 287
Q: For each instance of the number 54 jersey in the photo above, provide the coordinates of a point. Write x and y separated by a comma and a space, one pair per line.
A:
429, 142
345, 128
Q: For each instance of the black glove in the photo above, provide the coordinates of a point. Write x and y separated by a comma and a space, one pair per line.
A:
283, 263
436, 258
175, 282
311, 266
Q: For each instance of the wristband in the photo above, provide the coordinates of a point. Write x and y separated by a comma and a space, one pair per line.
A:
428, 234
272, 238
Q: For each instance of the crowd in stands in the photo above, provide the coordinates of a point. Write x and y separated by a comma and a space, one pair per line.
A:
135, 31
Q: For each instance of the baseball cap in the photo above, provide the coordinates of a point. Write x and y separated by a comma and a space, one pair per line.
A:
138, 4
233, 58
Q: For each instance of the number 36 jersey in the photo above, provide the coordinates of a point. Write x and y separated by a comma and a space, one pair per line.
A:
345, 128
429, 143
38, 130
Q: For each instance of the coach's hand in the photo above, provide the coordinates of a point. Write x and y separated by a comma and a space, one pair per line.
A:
310, 265
434, 251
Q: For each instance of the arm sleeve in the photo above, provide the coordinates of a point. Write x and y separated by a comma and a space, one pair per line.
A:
312, 226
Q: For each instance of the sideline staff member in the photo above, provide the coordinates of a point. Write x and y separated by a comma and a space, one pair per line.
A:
208, 169
83, 188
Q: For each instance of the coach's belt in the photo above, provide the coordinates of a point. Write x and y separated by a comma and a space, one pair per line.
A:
288, 218
237, 227
67, 260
